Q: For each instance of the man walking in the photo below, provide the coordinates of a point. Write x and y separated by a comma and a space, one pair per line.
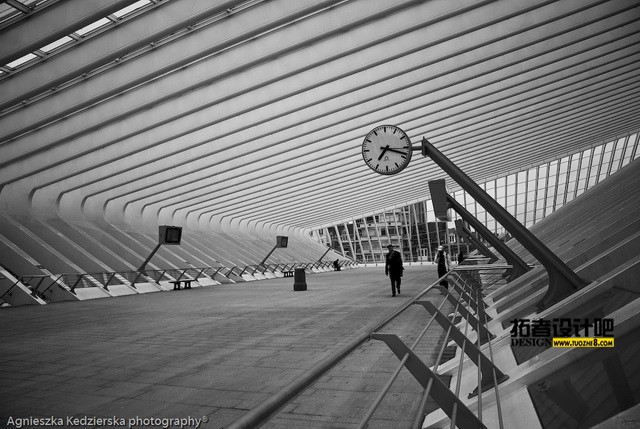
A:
393, 268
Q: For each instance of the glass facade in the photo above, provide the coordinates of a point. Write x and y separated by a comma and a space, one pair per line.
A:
530, 195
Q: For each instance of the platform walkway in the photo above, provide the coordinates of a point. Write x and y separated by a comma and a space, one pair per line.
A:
214, 351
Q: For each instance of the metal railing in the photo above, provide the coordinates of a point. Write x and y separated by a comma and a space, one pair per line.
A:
130, 278
466, 296
470, 307
40, 284
282, 267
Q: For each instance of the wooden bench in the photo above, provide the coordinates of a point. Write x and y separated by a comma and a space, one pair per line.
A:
288, 273
176, 284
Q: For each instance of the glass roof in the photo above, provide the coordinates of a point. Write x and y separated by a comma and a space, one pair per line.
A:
131, 8
7, 11
53, 45
22, 60
93, 26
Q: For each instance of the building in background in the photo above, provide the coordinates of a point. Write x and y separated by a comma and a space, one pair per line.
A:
529, 195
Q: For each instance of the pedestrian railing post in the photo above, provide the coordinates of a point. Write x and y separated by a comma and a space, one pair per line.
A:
483, 332
446, 400
471, 350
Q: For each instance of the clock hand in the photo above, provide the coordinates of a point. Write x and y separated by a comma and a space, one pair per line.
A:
397, 151
384, 149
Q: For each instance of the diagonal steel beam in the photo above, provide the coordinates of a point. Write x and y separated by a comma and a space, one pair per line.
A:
465, 232
563, 281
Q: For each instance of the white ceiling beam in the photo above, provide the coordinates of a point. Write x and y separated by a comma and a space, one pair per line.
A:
224, 179
341, 116
268, 131
357, 186
23, 145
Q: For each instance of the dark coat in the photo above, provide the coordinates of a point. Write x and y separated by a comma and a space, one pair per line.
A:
393, 266
442, 261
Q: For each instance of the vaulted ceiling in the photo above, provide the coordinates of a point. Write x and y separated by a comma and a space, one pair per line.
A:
255, 111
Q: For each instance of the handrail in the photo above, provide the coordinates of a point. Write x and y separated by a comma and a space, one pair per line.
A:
385, 390
8, 290
26, 280
71, 281
272, 404
55, 281
488, 374
230, 270
104, 279
420, 413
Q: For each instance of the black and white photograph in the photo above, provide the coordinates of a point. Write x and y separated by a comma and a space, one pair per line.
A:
320, 214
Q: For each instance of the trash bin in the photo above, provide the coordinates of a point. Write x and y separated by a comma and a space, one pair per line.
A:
299, 279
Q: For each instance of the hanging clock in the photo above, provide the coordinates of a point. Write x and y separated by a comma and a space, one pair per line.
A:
386, 149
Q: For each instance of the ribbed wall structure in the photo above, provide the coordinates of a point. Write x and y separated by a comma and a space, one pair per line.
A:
243, 120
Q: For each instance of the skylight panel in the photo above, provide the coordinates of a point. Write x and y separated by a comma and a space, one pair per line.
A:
93, 26
5, 9
51, 46
20, 61
7, 12
132, 7
32, 3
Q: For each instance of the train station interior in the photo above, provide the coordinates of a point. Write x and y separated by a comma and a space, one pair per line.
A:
200, 200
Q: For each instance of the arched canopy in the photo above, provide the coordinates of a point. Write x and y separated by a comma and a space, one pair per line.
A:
253, 112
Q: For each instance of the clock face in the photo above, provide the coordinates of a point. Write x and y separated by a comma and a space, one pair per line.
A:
386, 149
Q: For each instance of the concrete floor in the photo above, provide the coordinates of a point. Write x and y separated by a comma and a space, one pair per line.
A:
213, 352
